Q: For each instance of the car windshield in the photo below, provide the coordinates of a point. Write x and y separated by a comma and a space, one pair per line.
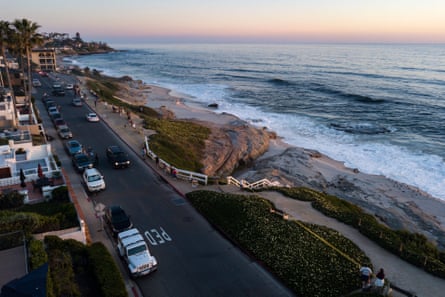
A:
82, 159
119, 155
119, 217
74, 145
136, 250
93, 178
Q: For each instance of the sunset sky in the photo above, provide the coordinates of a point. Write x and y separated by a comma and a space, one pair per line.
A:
116, 21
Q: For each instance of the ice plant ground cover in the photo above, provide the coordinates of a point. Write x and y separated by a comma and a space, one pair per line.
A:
306, 264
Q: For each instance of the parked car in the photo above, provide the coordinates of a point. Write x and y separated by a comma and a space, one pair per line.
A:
92, 117
64, 132
73, 147
59, 122
117, 219
76, 101
36, 82
117, 157
93, 180
81, 162
55, 116
50, 103
43, 74
52, 109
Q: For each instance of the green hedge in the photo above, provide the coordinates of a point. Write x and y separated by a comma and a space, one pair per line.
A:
11, 200
411, 247
94, 271
38, 218
305, 264
37, 254
106, 272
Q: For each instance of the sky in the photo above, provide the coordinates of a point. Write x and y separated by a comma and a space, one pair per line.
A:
270, 21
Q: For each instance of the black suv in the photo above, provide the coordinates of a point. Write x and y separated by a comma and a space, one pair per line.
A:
117, 219
117, 157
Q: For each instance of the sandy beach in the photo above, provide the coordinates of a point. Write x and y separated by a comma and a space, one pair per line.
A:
398, 205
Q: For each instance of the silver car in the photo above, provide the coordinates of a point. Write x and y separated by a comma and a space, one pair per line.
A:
64, 132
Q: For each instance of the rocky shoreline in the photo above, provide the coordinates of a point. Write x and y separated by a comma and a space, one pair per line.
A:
253, 153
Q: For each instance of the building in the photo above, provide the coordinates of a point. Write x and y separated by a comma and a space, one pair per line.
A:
44, 59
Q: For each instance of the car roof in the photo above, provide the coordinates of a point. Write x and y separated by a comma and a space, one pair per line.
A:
91, 171
73, 142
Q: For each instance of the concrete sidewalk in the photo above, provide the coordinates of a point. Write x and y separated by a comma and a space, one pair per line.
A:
400, 273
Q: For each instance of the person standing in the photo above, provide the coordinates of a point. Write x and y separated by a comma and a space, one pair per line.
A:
365, 276
380, 278
144, 153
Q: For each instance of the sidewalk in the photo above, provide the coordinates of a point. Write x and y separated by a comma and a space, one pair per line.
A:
400, 273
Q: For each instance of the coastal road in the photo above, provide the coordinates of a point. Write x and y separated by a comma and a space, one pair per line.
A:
194, 259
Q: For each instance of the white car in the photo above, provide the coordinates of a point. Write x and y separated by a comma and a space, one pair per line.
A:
93, 179
76, 102
92, 117
64, 132
69, 87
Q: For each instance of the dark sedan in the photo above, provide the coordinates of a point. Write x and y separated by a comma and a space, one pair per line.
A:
117, 219
117, 157
81, 162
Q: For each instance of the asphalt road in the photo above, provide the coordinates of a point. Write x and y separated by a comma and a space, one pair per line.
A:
194, 259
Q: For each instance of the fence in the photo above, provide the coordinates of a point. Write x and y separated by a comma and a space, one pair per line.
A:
193, 177
261, 184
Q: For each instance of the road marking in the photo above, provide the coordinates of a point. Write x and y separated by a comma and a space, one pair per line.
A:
156, 237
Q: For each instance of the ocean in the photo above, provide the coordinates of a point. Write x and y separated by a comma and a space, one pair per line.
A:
376, 107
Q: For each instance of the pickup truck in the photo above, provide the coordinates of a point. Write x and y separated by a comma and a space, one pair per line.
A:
134, 250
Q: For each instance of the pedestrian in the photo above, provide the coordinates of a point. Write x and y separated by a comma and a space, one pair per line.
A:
365, 276
380, 278
144, 152
157, 161
95, 102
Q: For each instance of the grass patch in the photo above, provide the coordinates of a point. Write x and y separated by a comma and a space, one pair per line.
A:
179, 143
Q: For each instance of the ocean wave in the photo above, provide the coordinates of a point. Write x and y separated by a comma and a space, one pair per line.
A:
361, 128
362, 98
279, 82
355, 97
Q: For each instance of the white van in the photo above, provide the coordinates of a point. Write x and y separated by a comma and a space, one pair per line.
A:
94, 181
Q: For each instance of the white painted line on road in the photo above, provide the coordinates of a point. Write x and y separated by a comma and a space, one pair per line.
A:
155, 237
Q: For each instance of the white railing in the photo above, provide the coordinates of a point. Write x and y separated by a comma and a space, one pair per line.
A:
261, 184
193, 177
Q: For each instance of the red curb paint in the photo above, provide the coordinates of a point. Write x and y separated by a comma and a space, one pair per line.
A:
135, 292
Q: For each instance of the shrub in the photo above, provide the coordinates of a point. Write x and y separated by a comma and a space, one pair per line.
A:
37, 254
11, 200
413, 248
105, 271
61, 194
290, 249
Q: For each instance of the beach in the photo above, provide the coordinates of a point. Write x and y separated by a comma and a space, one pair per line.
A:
395, 204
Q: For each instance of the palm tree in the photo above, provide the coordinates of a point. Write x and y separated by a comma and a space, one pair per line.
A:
5, 38
27, 38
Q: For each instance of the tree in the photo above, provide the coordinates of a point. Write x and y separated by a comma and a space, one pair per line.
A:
27, 38
5, 38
